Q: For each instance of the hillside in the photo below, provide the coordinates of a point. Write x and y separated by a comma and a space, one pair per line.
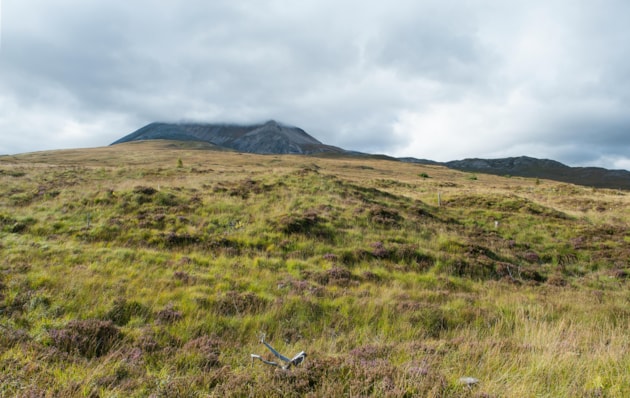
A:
525, 166
152, 268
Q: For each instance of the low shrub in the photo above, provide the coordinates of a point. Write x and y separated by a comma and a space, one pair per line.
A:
335, 276
303, 224
200, 353
384, 216
310, 223
122, 311
169, 314
246, 187
238, 303
88, 338
148, 191
173, 239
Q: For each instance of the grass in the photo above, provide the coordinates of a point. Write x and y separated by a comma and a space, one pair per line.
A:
151, 269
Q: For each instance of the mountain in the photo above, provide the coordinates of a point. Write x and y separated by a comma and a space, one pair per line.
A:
277, 138
524, 166
267, 138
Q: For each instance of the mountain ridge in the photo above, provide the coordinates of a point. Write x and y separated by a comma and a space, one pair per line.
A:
273, 137
530, 167
270, 137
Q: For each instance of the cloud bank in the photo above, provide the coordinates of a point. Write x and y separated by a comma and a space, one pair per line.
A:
441, 80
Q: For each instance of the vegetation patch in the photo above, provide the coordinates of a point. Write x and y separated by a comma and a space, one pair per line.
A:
201, 353
89, 338
504, 203
14, 225
336, 276
239, 303
174, 239
384, 216
123, 311
144, 191
168, 315
243, 189
309, 223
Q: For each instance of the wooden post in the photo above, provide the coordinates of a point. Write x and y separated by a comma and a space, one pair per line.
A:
439, 199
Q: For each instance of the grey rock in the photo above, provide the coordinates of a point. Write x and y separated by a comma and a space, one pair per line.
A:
468, 381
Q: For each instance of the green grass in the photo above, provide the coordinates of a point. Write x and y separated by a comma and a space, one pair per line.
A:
125, 272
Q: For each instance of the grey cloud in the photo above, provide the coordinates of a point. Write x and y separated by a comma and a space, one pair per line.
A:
438, 47
355, 74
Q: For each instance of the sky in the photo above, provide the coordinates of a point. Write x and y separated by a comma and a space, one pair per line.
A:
440, 80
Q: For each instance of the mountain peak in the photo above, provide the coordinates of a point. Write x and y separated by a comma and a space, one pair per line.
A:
270, 137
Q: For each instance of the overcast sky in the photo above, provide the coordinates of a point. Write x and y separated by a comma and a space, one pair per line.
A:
440, 80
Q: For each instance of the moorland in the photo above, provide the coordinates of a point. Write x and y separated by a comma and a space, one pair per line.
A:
153, 268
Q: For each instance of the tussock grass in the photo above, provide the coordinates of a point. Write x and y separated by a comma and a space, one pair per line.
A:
125, 272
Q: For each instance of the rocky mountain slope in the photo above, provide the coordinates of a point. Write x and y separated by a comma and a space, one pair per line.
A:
525, 166
268, 138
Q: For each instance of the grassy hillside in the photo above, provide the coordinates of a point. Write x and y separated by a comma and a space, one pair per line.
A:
152, 269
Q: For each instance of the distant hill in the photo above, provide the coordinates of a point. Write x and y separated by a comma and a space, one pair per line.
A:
276, 138
267, 138
524, 166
